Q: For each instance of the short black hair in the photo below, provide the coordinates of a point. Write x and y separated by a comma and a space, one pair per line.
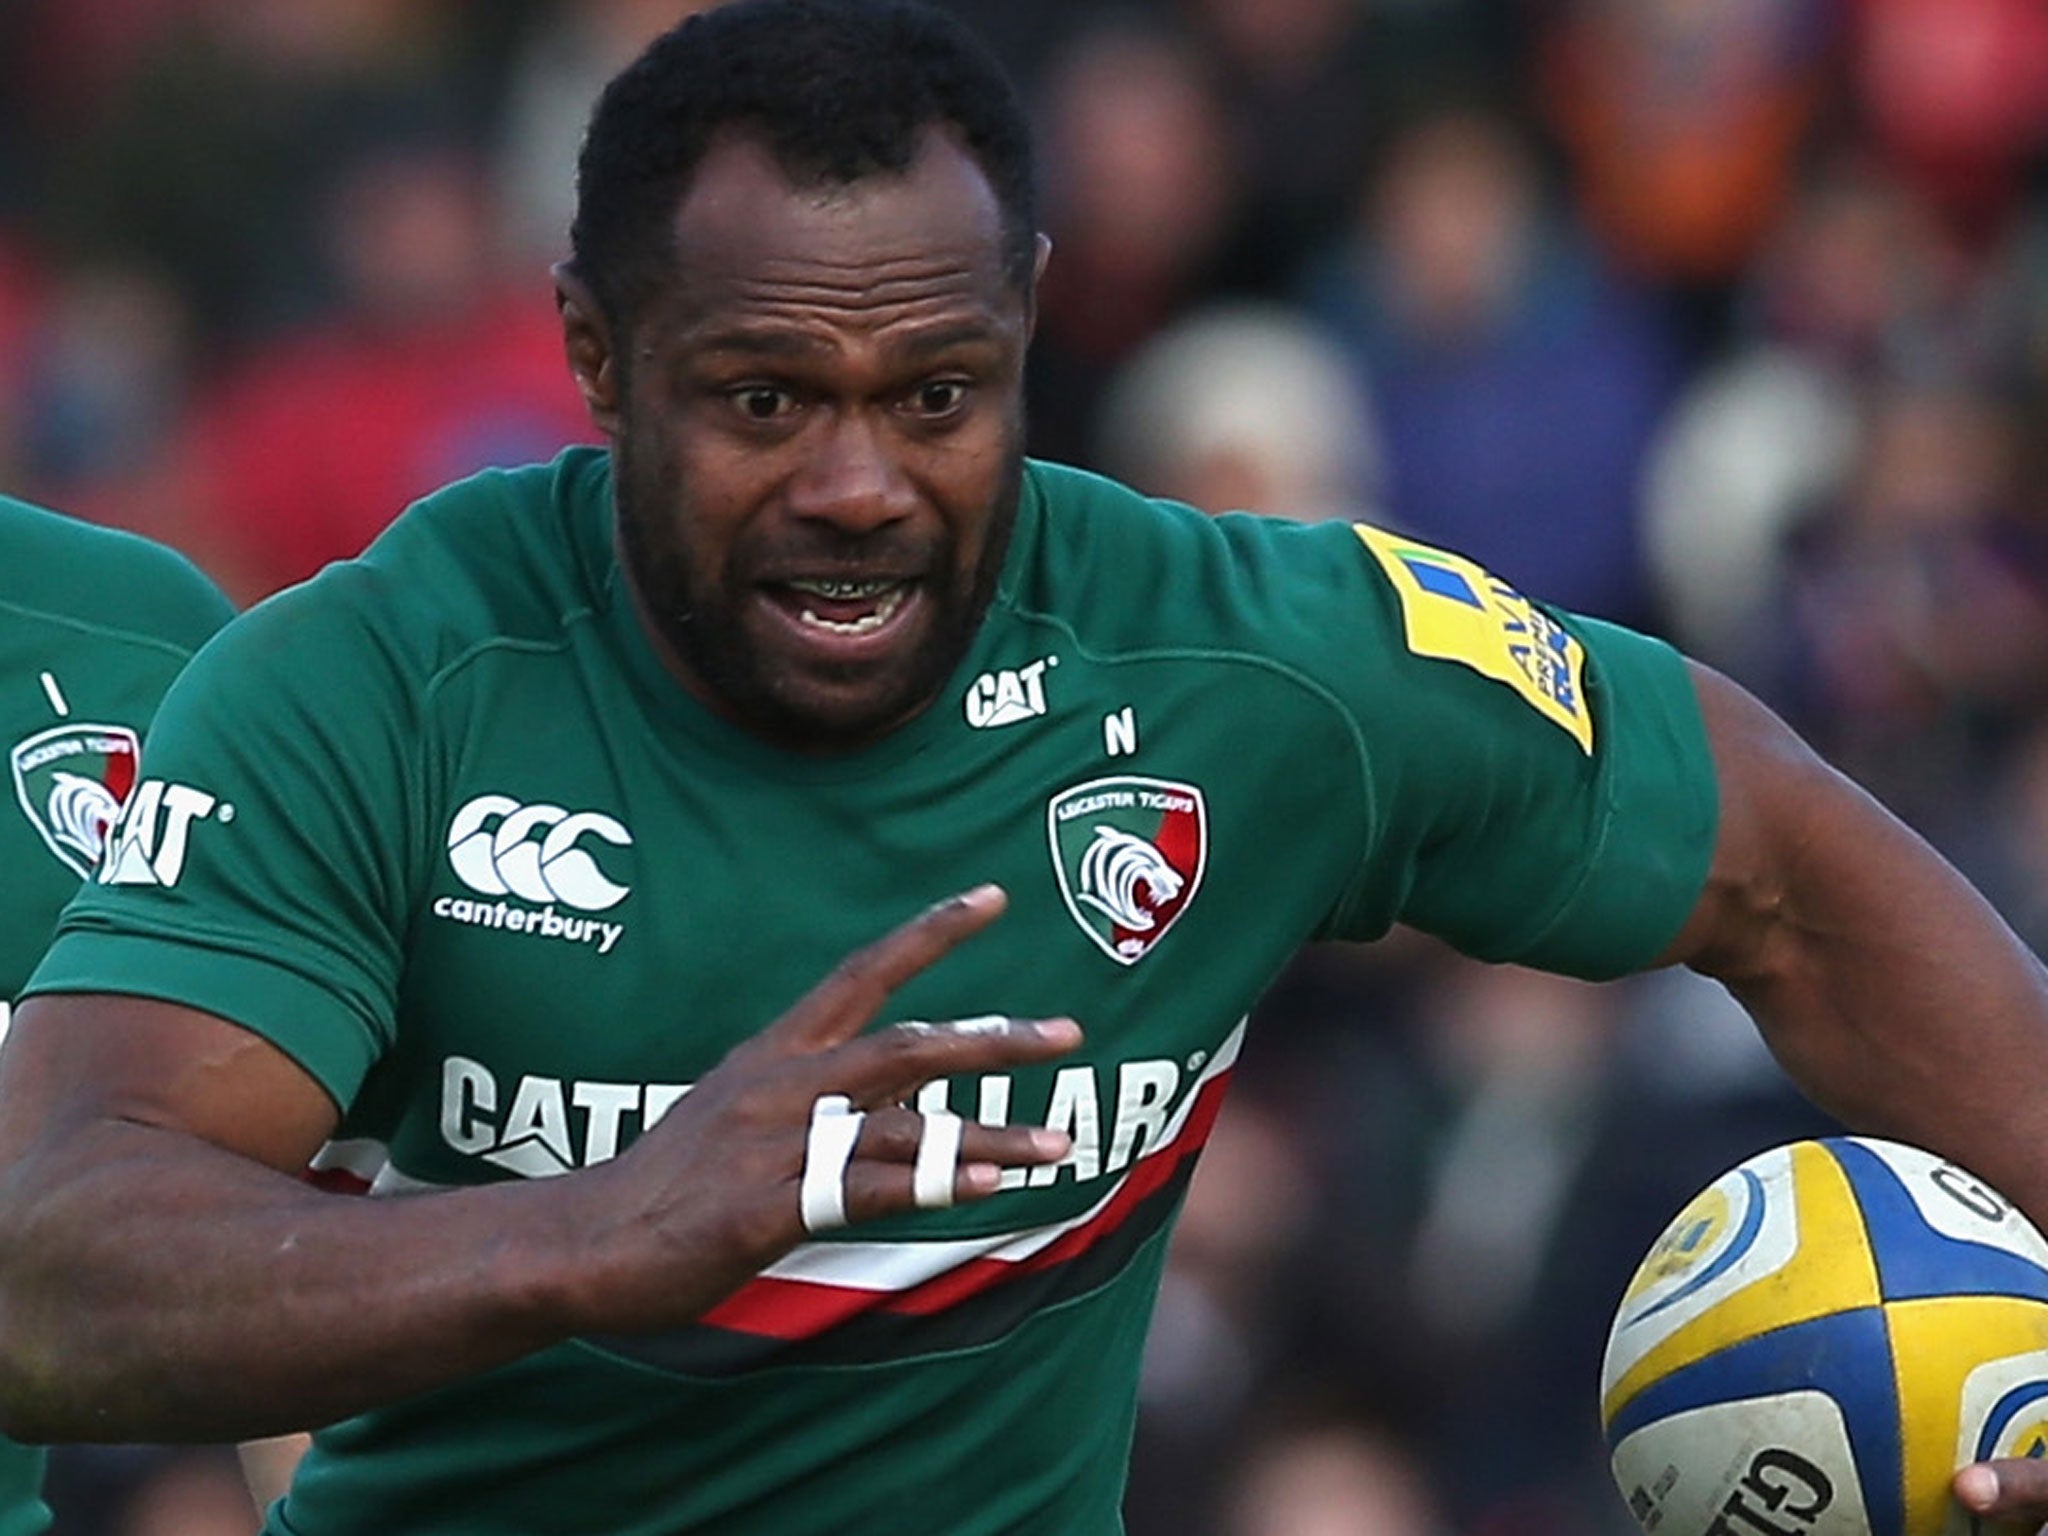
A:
838, 90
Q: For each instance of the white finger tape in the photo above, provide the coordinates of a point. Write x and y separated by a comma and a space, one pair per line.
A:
980, 1024
938, 1161
835, 1127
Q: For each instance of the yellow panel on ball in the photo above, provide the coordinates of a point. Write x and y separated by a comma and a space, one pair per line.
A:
1969, 1369
1739, 1259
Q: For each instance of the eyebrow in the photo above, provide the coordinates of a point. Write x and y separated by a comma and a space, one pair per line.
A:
793, 344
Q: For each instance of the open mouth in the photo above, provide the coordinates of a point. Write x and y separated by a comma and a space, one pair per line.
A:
848, 607
842, 608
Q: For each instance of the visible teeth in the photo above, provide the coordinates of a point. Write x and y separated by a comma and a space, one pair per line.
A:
843, 591
866, 622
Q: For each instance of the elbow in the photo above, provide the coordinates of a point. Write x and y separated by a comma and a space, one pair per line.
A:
45, 1398
26, 1383
46, 1368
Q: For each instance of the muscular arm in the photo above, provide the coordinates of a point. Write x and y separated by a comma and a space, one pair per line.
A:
161, 1267
164, 1276
1886, 985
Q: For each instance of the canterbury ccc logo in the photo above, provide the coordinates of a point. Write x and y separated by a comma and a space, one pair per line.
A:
535, 852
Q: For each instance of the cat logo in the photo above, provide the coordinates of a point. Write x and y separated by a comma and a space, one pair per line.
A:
1129, 853
150, 844
71, 782
1006, 696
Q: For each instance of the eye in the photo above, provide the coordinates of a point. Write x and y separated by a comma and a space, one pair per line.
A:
762, 402
935, 399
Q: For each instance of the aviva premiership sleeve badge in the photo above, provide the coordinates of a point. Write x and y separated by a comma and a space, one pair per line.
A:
1129, 852
1454, 610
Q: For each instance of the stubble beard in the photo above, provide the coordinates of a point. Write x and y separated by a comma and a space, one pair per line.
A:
700, 621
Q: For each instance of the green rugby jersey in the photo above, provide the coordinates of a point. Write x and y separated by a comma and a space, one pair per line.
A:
93, 626
440, 825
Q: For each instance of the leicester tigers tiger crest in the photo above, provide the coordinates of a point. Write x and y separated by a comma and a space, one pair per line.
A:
1129, 853
71, 782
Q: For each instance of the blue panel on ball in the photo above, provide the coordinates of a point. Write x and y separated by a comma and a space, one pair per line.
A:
1846, 1355
1914, 1260
2030, 1399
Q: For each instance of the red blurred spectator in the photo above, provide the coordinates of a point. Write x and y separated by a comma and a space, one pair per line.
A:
1957, 91
441, 366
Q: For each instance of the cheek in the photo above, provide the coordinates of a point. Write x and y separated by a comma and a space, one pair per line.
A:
706, 488
967, 478
974, 484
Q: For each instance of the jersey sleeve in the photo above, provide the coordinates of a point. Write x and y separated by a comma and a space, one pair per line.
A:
259, 871
1539, 785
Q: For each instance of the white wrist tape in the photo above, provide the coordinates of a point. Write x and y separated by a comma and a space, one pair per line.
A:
938, 1161
835, 1127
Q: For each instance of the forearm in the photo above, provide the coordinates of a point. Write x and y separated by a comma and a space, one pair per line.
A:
159, 1288
164, 1277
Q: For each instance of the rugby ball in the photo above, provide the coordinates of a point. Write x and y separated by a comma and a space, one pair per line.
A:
1819, 1339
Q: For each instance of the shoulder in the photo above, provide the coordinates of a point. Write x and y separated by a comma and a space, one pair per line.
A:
1386, 624
63, 570
1130, 572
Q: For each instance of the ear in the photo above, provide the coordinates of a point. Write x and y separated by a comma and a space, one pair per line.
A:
587, 341
1031, 297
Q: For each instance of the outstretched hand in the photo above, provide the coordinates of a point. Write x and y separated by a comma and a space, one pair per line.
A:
803, 1127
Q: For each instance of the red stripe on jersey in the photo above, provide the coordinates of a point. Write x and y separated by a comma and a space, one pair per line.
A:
1147, 1175
336, 1181
793, 1310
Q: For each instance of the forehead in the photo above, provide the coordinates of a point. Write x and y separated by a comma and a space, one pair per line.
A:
749, 246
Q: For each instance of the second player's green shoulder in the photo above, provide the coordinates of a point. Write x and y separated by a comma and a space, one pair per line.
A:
83, 573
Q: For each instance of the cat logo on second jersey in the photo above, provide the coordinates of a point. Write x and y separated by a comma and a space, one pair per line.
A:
149, 844
1129, 853
72, 781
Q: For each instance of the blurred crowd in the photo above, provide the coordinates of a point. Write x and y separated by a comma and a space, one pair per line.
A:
1723, 318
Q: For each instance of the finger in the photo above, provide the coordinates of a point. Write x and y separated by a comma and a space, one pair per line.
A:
841, 1005
875, 1190
2009, 1488
891, 1064
937, 1163
1976, 1488
821, 1188
847, 1150
902, 1136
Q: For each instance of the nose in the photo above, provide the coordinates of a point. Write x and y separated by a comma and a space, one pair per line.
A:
852, 478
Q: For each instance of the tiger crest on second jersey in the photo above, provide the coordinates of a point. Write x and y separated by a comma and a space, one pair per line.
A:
71, 781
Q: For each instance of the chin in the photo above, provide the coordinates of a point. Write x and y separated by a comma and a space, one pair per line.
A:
827, 718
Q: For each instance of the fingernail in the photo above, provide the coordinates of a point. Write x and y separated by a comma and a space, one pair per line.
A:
1063, 1031
982, 1178
1051, 1144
